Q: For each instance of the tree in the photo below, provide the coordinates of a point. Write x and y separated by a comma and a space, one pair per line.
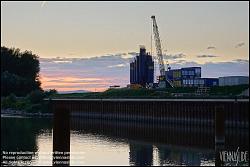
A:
19, 72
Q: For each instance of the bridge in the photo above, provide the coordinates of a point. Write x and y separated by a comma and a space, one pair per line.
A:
218, 114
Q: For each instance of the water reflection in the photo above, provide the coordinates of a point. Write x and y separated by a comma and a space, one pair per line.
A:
195, 145
140, 154
20, 135
187, 136
184, 156
154, 145
117, 143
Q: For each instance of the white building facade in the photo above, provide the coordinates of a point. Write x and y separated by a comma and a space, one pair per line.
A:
233, 80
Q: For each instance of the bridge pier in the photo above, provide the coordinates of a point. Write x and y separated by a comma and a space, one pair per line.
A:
219, 134
61, 137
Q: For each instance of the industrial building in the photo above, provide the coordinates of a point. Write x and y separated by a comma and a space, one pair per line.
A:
233, 80
190, 77
142, 69
142, 73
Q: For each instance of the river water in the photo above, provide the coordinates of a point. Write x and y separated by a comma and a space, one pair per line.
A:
108, 143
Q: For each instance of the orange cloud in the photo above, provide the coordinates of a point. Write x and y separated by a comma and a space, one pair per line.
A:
69, 83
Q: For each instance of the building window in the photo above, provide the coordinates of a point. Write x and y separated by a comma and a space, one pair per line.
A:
184, 72
197, 71
202, 82
191, 72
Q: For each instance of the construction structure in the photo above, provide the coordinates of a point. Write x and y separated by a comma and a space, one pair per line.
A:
190, 77
163, 82
142, 69
184, 77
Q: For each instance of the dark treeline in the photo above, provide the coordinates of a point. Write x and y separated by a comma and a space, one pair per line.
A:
19, 72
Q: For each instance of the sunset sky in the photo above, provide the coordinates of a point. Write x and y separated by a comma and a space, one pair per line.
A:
88, 45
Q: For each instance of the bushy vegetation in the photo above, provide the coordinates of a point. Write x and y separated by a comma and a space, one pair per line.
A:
19, 72
32, 103
228, 90
8, 101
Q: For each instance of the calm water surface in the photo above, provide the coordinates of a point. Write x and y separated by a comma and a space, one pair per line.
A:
95, 144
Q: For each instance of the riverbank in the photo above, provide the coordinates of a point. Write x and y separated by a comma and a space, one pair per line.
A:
11, 112
216, 92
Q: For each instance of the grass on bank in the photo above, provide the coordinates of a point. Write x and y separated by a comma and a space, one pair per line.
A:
215, 92
34, 103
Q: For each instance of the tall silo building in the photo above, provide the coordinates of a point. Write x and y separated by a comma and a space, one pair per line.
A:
142, 68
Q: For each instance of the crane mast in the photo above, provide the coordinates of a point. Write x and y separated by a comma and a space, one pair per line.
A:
158, 47
162, 79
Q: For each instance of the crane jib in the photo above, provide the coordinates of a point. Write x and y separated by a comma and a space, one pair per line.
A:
159, 53
158, 47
